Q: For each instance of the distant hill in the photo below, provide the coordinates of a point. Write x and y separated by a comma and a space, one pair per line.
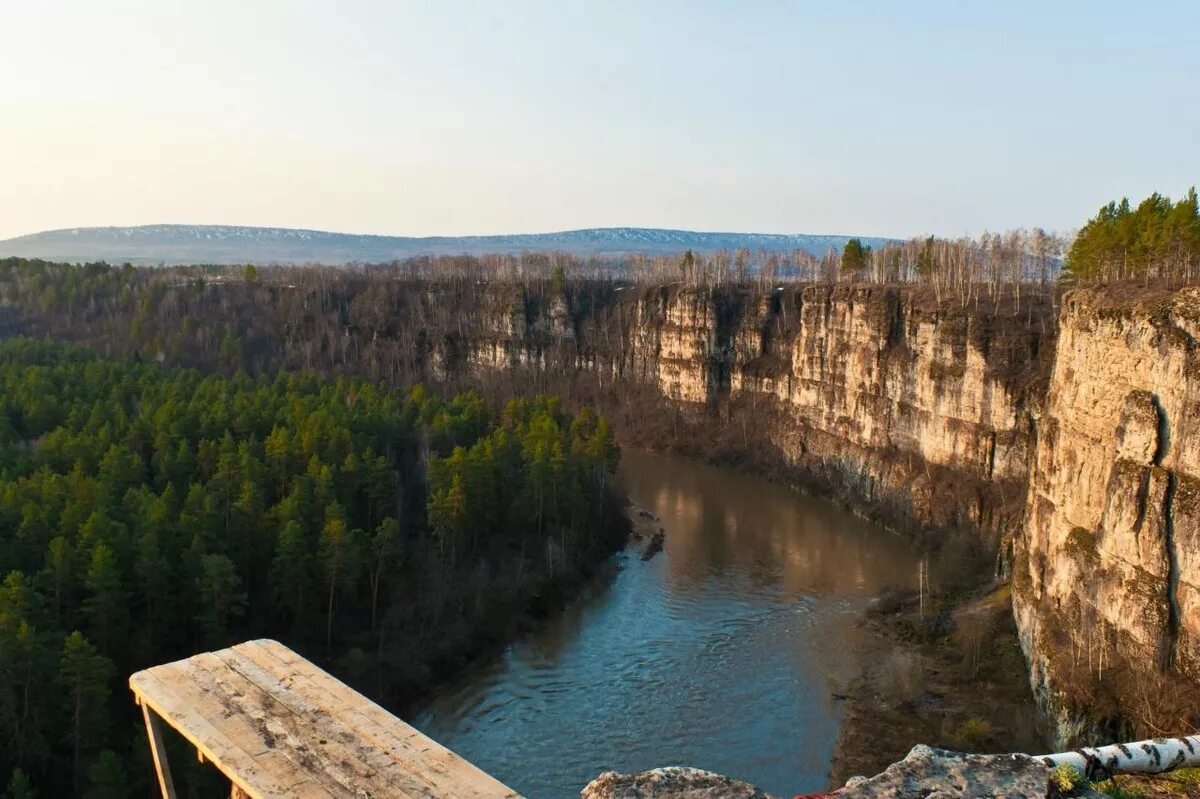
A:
219, 244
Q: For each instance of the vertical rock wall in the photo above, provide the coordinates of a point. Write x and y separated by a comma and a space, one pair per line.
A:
921, 415
926, 411
1107, 576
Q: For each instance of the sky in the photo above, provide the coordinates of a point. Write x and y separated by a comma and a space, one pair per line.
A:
445, 118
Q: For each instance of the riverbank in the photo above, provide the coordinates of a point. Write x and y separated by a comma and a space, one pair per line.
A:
950, 676
531, 599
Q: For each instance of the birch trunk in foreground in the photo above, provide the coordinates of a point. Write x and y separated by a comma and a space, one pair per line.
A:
1152, 757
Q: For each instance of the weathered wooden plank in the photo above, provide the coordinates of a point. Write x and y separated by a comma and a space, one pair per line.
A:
278, 726
263, 724
260, 770
361, 713
191, 722
191, 688
324, 711
223, 754
244, 744
437, 764
304, 731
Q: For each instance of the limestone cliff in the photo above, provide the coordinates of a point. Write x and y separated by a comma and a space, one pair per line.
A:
924, 411
917, 414
1107, 574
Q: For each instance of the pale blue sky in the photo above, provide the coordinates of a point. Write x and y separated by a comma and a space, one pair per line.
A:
896, 118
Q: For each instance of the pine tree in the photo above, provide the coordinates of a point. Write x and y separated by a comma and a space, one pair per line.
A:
447, 510
221, 599
106, 606
337, 559
291, 571
25, 658
385, 546
107, 778
855, 257
57, 575
83, 675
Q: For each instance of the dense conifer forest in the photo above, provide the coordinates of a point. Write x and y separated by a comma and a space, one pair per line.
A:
147, 514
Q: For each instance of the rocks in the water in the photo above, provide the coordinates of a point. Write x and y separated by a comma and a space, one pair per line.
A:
642, 523
647, 527
655, 545
669, 783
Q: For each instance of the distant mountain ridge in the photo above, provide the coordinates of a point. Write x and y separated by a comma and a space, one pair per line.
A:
224, 244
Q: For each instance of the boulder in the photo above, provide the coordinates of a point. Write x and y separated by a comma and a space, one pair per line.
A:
669, 783
928, 773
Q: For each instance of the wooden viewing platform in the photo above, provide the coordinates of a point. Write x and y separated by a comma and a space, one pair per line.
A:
278, 726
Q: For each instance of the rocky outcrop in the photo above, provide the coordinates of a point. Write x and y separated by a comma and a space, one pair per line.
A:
928, 773
1107, 574
669, 783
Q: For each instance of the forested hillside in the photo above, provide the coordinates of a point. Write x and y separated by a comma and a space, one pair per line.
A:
146, 514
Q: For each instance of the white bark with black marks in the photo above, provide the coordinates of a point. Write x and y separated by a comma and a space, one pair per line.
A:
1141, 757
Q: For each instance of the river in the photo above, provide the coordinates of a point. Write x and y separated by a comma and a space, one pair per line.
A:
724, 652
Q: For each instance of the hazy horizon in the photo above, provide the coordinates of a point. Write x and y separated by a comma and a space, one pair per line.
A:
829, 233
399, 119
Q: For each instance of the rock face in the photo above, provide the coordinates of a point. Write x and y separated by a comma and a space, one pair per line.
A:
928, 773
914, 411
1107, 573
918, 414
920, 411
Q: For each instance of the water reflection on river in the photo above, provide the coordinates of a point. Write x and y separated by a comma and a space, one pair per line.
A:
722, 653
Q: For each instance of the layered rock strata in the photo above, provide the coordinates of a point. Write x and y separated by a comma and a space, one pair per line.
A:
918, 413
